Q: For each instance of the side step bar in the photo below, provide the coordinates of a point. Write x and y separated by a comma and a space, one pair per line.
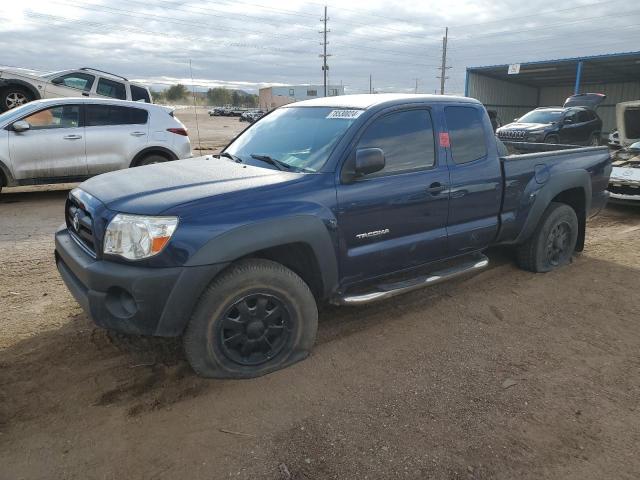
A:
389, 290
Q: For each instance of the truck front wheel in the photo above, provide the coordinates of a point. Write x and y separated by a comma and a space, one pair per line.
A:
255, 318
553, 241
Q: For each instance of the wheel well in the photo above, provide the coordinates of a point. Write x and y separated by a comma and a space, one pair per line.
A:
22, 86
575, 198
300, 258
168, 154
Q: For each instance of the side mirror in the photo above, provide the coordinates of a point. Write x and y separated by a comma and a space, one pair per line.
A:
516, 119
21, 126
369, 160
567, 121
57, 81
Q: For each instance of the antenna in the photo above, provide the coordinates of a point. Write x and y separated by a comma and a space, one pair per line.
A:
195, 109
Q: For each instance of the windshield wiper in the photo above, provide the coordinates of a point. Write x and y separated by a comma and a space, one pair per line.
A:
272, 161
233, 157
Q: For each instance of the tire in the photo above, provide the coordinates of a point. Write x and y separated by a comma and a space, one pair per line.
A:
225, 337
552, 139
14, 96
553, 241
151, 159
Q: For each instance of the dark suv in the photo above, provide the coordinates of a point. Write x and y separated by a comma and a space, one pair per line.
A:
575, 123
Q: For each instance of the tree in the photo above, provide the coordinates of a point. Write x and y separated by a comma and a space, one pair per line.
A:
219, 96
236, 99
176, 92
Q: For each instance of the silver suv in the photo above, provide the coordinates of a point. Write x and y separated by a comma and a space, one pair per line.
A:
19, 86
71, 139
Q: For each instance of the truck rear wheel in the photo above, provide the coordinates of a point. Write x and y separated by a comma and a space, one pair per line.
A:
13, 96
255, 318
553, 241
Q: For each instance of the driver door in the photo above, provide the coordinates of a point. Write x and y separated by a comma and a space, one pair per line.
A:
53, 146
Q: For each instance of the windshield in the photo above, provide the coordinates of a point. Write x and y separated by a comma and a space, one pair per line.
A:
542, 116
298, 137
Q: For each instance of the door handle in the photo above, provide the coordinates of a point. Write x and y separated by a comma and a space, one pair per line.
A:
72, 137
435, 188
137, 134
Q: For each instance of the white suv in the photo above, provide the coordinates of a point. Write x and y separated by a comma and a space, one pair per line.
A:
71, 139
19, 86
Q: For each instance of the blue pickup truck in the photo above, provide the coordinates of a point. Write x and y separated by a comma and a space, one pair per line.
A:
344, 200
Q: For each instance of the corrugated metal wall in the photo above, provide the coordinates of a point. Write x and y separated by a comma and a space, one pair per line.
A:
615, 92
513, 100
510, 100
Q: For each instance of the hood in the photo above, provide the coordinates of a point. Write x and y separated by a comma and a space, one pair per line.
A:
19, 72
589, 100
153, 189
527, 127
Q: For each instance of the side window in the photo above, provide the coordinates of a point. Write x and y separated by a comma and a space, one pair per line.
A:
103, 115
583, 116
571, 115
112, 89
466, 134
63, 116
406, 138
80, 81
140, 94
312, 93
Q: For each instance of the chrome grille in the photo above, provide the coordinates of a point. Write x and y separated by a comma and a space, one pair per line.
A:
80, 224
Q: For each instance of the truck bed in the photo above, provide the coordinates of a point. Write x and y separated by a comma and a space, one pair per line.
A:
539, 175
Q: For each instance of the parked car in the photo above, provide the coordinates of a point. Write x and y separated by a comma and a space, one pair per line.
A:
628, 122
624, 184
217, 112
347, 199
71, 139
575, 123
251, 116
19, 86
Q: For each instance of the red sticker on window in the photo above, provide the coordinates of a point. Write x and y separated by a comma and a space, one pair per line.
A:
444, 139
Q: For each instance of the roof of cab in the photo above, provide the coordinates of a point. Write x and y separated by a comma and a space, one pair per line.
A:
365, 101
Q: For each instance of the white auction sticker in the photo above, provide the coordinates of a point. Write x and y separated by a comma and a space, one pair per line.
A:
348, 114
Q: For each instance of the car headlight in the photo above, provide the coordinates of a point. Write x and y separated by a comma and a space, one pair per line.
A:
135, 237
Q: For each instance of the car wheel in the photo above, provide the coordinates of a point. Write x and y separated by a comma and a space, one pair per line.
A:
552, 139
13, 97
553, 241
255, 318
151, 159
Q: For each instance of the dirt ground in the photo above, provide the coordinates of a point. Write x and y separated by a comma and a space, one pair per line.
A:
503, 375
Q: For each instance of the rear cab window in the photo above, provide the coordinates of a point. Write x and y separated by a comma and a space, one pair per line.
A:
405, 137
105, 115
466, 134
111, 88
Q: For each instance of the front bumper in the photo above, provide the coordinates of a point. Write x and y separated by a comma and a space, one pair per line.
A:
129, 298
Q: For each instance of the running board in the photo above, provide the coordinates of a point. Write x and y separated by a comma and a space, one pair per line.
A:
388, 290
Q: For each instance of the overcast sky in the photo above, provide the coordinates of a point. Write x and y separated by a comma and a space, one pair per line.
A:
249, 44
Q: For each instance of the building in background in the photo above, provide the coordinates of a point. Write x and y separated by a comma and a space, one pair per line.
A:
513, 90
274, 97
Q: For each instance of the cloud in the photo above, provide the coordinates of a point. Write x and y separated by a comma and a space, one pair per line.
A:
252, 43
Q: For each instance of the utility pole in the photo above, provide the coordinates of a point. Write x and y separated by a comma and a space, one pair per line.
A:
416, 86
443, 69
370, 84
324, 53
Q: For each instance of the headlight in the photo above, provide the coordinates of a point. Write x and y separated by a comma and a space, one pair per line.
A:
136, 237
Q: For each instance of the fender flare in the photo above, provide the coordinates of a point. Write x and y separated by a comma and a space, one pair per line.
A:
247, 239
11, 81
142, 153
543, 197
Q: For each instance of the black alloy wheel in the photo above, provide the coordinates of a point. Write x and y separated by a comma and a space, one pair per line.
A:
254, 329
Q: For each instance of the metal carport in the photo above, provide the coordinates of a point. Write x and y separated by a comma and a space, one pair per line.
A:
550, 82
